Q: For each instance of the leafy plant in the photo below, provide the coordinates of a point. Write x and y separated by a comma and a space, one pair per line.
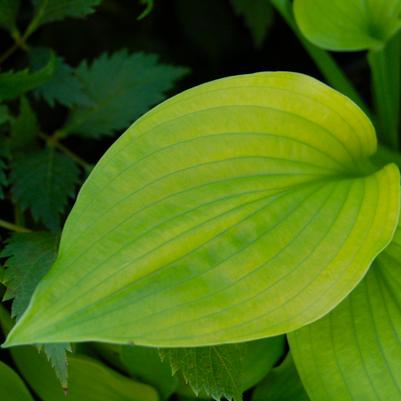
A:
239, 241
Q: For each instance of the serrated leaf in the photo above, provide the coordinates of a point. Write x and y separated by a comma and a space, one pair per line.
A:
12, 388
225, 370
240, 209
139, 81
281, 384
14, 84
55, 10
354, 352
8, 14
29, 257
145, 364
258, 16
24, 129
348, 25
64, 87
43, 182
215, 370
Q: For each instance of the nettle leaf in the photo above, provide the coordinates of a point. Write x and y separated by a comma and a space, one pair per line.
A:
64, 87
214, 370
258, 16
282, 384
139, 81
12, 388
24, 129
55, 10
30, 256
354, 352
43, 182
348, 25
225, 370
13, 84
240, 209
8, 14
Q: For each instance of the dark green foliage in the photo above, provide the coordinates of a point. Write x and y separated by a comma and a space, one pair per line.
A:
130, 84
8, 14
43, 182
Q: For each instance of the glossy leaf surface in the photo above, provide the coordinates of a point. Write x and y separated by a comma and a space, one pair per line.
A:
354, 353
348, 25
240, 209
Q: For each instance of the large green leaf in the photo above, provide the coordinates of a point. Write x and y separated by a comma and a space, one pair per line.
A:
348, 24
354, 353
8, 14
240, 209
12, 388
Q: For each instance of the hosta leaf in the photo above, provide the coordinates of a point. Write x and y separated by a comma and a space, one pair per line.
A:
258, 16
12, 388
282, 384
348, 25
13, 84
43, 182
54, 10
145, 364
8, 14
243, 208
354, 353
225, 370
139, 81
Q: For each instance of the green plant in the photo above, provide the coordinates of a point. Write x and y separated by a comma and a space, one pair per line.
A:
232, 217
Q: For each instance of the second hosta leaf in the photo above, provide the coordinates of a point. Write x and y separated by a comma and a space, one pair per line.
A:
240, 209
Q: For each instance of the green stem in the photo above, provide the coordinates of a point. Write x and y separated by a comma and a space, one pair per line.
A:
326, 64
385, 66
13, 227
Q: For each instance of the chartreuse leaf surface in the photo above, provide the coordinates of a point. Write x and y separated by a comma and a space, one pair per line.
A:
354, 353
12, 388
242, 208
348, 25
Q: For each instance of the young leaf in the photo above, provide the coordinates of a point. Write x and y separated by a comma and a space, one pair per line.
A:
282, 384
139, 81
12, 388
226, 370
30, 256
348, 25
43, 182
55, 10
8, 14
214, 370
354, 352
258, 16
64, 87
24, 129
13, 84
145, 364
240, 209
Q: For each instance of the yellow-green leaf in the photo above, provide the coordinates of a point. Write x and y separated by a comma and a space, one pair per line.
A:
348, 24
354, 353
240, 209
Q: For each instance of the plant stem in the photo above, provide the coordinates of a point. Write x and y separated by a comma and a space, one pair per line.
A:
385, 66
326, 64
53, 141
13, 227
